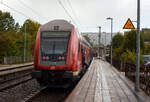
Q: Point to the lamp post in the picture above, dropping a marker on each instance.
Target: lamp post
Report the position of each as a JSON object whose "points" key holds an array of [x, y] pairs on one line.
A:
{"points": [[105, 38], [111, 19], [25, 41], [99, 40], [137, 83]]}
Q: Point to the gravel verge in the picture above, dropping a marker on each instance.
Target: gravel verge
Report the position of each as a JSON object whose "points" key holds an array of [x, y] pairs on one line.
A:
{"points": [[18, 93]]}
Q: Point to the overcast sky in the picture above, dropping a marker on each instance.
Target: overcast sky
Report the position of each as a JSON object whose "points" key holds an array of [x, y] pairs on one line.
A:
{"points": [[88, 13]]}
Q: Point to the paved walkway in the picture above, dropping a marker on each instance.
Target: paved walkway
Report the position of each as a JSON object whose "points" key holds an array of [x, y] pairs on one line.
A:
{"points": [[103, 83]]}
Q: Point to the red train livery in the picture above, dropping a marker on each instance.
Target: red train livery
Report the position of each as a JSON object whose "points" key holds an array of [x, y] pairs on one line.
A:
{"points": [[60, 54]]}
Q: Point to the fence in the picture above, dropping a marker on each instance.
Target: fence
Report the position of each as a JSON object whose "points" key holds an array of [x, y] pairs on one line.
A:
{"points": [[16, 59], [130, 70], [116, 63]]}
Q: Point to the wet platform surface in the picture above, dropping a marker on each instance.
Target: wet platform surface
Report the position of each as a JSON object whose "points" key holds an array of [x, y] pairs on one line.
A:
{"points": [[103, 83]]}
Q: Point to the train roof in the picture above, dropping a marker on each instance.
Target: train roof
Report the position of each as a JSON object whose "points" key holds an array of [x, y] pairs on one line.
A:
{"points": [[61, 25], [57, 25]]}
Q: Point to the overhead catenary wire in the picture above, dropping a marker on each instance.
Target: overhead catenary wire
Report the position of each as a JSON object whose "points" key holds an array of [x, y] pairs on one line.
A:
{"points": [[15, 10], [27, 6], [67, 12], [73, 11]]}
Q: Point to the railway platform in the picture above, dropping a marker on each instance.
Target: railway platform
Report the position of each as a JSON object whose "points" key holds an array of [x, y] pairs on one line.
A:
{"points": [[5, 67], [103, 83]]}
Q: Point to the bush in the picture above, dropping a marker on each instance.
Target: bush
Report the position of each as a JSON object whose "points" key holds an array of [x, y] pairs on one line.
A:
{"points": [[130, 57], [117, 52]]}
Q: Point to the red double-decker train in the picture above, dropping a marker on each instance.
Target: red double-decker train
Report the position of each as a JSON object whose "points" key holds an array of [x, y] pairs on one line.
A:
{"points": [[61, 54]]}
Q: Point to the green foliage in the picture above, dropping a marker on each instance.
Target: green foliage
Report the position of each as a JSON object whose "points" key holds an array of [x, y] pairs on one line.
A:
{"points": [[117, 52], [31, 31], [7, 23], [147, 48], [12, 36], [130, 57], [117, 40], [88, 40], [4, 42], [146, 35], [130, 41], [31, 27], [124, 47]]}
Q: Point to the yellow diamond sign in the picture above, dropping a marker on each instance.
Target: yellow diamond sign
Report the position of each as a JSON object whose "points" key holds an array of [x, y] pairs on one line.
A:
{"points": [[129, 25]]}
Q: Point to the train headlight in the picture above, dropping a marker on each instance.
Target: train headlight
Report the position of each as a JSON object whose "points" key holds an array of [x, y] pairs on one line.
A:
{"points": [[44, 57], [62, 58]]}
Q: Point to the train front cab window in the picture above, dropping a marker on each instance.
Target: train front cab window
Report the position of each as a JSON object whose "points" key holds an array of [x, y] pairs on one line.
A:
{"points": [[79, 48], [54, 47]]}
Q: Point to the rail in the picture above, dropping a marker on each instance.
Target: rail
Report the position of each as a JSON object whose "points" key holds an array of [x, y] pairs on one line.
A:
{"points": [[14, 75], [15, 67]]}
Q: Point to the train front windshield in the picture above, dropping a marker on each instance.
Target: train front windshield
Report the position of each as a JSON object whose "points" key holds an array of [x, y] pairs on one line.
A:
{"points": [[54, 46], [54, 42]]}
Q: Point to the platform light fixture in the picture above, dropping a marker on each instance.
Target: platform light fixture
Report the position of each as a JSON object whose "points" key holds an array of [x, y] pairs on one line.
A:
{"points": [[111, 19], [25, 41]]}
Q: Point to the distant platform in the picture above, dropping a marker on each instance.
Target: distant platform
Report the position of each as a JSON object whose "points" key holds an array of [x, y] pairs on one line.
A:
{"points": [[13, 65]]}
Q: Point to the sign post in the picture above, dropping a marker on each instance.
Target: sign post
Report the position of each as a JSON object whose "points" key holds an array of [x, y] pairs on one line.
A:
{"points": [[129, 25], [137, 83]]}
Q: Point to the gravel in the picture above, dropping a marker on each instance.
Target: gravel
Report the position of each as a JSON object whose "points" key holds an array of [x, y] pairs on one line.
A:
{"points": [[20, 92]]}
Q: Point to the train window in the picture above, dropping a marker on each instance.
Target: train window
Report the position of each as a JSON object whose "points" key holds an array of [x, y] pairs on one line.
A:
{"points": [[82, 51], [56, 28], [54, 34], [54, 42], [79, 48], [61, 46]]}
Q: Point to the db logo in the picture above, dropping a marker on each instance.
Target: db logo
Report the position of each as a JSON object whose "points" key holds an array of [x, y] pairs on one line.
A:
{"points": [[53, 67]]}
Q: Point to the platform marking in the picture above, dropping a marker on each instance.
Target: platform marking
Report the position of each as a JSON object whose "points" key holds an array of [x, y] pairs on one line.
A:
{"points": [[105, 89]]}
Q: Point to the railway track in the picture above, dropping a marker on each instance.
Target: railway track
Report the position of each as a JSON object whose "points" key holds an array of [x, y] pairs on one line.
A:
{"points": [[32, 95], [49, 95], [15, 75]]}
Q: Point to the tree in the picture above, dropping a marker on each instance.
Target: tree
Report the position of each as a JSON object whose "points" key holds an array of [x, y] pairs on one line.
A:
{"points": [[88, 40], [117, 43], [31, 27], [124, 47], [31, 32], [147, 48], [12, 36], [4, 42], [7, 23], [117, 40], [8, 30], [130, 41], [130, 57]]}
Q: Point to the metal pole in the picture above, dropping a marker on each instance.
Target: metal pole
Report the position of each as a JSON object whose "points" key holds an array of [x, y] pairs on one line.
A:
{"points": [[105, 39], [25, 43], [137, 84], [111, 37], [99, 38]]}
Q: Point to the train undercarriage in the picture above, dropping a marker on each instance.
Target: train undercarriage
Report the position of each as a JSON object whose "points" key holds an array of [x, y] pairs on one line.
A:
{"points": [[57, 79]]}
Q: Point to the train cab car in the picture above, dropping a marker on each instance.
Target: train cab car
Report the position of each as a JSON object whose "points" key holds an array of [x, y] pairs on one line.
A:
{"points": [[60, 54]]}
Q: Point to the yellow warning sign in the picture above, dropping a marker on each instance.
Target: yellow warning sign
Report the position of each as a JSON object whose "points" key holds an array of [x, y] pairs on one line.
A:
{"points": [[129, 25]]}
